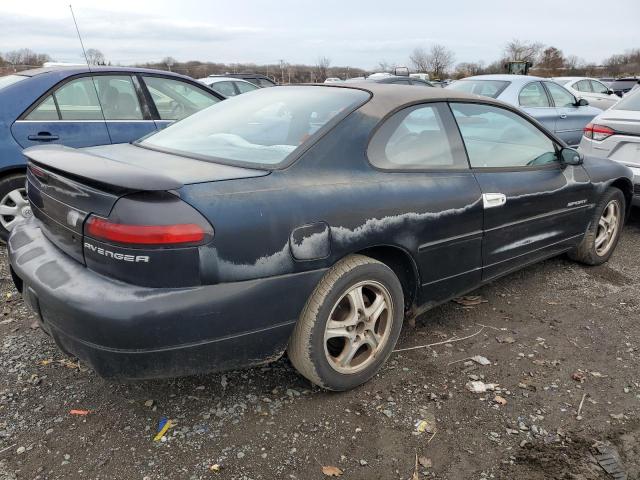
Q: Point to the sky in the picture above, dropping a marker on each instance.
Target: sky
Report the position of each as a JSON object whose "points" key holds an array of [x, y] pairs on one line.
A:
{"points": [[351, 33]]}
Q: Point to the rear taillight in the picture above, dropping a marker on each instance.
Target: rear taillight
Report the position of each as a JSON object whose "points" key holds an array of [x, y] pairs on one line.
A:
{"points": [[597, 132], [160, 235]]}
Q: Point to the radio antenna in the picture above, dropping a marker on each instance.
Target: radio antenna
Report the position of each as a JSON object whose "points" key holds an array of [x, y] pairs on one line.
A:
{"points": [[84, 52]]}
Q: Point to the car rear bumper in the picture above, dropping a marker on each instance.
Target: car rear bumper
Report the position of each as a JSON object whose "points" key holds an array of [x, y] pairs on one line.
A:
{"points": [[126, 331], [624, 149]]}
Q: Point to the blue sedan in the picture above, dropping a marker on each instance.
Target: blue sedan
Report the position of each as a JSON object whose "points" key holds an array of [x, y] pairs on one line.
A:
{"points": [[546, 101], [79, 107]]}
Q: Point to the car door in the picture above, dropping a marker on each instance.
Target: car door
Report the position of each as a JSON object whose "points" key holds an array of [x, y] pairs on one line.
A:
{"points": [[70, 115], [534, 100], [426, 172], [126, 115], [605, 97], [571, 118], [533, 205], [173, 99]]}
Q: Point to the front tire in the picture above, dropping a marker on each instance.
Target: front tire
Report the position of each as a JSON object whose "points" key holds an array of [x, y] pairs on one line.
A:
{"points": [[604, 230], [350, 324], [14, 206]]}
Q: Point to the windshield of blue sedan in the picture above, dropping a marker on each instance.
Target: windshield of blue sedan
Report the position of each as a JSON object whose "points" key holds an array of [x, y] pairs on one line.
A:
{"points": [[10, 80], [262, 127], [486, 88]]}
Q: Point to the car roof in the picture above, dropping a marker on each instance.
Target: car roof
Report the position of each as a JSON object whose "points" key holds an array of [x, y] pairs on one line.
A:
{"points": [[75, 70], [216, 79], [506, 77], [398, 95]]}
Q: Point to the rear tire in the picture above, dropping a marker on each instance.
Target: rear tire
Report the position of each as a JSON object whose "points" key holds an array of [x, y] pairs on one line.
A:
{"points": [[350, 324], [13, 204], [604, 230]]}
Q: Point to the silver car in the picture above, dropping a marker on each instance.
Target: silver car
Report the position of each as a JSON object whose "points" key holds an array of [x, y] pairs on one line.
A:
{"points": [[615, 134], [546, 101]]}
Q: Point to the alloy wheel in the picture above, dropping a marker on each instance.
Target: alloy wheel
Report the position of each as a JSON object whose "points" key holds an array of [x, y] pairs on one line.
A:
{"points": [[14, 208], [607, 228], [358, 327]]}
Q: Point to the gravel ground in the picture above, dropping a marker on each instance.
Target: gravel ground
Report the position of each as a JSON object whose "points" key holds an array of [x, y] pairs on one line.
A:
{"points": [[556, 334]]}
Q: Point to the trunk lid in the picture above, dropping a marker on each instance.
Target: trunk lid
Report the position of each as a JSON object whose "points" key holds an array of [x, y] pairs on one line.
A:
{"points": [[66, 185]]}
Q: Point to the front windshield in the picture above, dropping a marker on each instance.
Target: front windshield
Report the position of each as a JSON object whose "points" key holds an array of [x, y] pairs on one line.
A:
{"points": [[10, 80], [261, 127], [486, 88]]}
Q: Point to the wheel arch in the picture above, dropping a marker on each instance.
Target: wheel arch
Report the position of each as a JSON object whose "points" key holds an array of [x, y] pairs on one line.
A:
{"points": [[626, 186], [402, 264]]}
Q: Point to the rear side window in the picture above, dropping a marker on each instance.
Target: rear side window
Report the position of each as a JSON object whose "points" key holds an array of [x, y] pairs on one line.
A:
{"points": [[498, 138], [583, 86], [175, 99], [422, 137], [561, 97], [77, 100], [45, 111], [533, 96]]}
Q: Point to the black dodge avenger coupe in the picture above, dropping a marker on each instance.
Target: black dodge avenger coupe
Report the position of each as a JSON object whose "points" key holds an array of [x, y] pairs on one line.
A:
{"points": [[306, 219]]}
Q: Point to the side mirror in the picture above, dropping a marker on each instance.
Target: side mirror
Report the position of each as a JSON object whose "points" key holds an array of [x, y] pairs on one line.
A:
{"points": [[570, 156], [610, 92], [582, 103]]}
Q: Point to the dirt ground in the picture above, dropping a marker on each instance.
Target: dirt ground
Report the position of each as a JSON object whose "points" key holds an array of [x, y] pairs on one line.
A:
{"points": [[556, 334]]}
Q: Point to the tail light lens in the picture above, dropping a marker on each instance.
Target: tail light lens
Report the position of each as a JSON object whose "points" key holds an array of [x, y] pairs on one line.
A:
{"points": [[159, 235], [597, 132]]}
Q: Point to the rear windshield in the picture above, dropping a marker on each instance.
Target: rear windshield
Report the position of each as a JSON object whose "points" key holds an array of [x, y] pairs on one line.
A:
{"points": [[10, 80], [260, 128], [630, 101], [486, 88]]}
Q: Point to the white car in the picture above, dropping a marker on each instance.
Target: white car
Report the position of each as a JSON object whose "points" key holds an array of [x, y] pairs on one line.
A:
{"points": [[615, 134], [592, 90], [228, 86], [333, 80]]}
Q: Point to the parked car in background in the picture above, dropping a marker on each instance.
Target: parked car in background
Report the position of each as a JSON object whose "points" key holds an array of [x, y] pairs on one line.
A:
{"points": [[620, 86], [615, 134], [397, 80], [594, 91], [81, 108], [255, 78], [228, 86], [546, 101], [235, 234], [333, 80]]}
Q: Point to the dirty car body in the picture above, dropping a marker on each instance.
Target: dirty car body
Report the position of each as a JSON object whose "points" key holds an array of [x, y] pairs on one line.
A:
{"points": [[246, 224]]}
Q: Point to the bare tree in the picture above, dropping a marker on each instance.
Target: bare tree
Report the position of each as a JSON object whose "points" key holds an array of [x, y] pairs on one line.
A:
{"points": [[322, 68], [386, 66], [468, 69], [519, 50], [420, 59], [439, 60], [551, 60], [25, 56], [95, 57]]}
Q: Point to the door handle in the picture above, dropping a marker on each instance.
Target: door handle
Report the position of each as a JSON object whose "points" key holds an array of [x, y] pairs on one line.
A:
{"points": [[491, 200], [43, 137], [563, 115]]}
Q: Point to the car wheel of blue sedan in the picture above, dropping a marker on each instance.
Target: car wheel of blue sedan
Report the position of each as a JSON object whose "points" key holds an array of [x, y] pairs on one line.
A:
{"points": [[14, 206], [349, 325]]}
